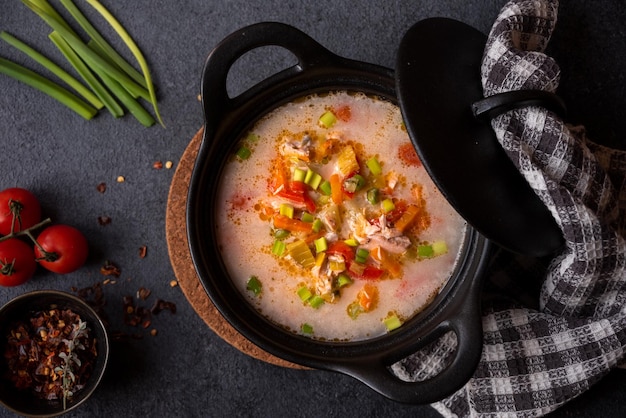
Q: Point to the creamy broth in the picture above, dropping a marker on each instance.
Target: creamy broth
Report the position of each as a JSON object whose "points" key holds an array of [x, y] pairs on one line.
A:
{"points": [[335, 266]]}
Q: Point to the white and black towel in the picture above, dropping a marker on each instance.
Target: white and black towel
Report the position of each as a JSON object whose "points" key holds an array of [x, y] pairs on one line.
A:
{"points": [[543, 349]]}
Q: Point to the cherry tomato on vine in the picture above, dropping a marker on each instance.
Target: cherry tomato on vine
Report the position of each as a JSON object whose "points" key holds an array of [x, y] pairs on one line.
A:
{"points": [[17, 262], [61, 249], [20, 204]]}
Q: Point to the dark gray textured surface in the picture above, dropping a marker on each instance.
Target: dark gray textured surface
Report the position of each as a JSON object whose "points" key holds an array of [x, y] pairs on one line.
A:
{"points": [[187, 370]]}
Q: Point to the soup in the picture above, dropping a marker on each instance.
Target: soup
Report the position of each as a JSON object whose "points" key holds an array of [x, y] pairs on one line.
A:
{"points": [[328, 223]]}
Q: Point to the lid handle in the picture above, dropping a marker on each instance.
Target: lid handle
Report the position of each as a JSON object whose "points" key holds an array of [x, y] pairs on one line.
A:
{"points": [[492, 106]]}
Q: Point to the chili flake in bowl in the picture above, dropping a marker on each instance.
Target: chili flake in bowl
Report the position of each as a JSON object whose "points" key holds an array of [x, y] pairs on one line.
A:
{"points": [[54, 353]]}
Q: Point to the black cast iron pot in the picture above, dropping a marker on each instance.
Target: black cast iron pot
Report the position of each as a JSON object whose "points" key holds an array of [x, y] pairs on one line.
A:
{"points": [[457, 306]]}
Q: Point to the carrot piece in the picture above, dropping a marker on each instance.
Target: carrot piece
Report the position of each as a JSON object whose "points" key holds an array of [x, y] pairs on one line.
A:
{"points": [[336, 192], [367, 297], [293, 225], [278, 180], [387, 263], [310, 238], [407, 218]]}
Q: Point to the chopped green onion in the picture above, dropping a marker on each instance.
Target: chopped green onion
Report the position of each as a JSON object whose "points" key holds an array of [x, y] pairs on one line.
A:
{"points": [[81, 68], [48, 87], [130, 43], [321, 245], [343, 280], [53, 68], [425, 251], [354, 184], [327, 120], [362, 252], [304, 293], [254, 285], [278, 248], [439, 248], [299, 174], [244, 153], [313, 179], [324, 187], [316, 301], [387, 205], [286, 210], [374, 166], [281, 234], [252, 137], [354, 310], [351, 242], [307, 217], [307, 329], [323, 200], [308, 176], [392, 322], [373, 196], [361, 255], [317, 225]]}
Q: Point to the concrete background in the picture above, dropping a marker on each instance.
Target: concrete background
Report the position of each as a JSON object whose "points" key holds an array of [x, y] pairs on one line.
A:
{"points": [[187, 370]]}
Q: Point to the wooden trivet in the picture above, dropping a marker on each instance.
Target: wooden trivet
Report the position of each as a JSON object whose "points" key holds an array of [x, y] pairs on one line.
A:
{"points": [[180, 257]]}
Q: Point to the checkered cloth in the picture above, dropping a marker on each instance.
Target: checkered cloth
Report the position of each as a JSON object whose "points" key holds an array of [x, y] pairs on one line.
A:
{"points": [[552, 328]]}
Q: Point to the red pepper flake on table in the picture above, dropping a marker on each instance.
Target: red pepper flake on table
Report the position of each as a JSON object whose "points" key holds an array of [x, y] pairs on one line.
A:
{"points": [[134, 313], [157, 165], [109, 268]]}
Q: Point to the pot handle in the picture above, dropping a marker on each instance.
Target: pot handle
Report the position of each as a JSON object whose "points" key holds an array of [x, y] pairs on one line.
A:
{"points": [[308, 52], [465, 322]]}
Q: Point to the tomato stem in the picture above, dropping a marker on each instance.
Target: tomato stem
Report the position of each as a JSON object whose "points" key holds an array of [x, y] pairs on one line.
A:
{"points": [[16, 210], [7, 269], [47, 255], [27, 231]]}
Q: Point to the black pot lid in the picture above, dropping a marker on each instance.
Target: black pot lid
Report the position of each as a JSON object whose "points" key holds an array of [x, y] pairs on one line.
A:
{"points": [[439, 90]]}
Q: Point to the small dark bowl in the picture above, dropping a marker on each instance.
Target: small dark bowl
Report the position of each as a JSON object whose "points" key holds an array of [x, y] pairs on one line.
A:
{"points": [[21, 308]]}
